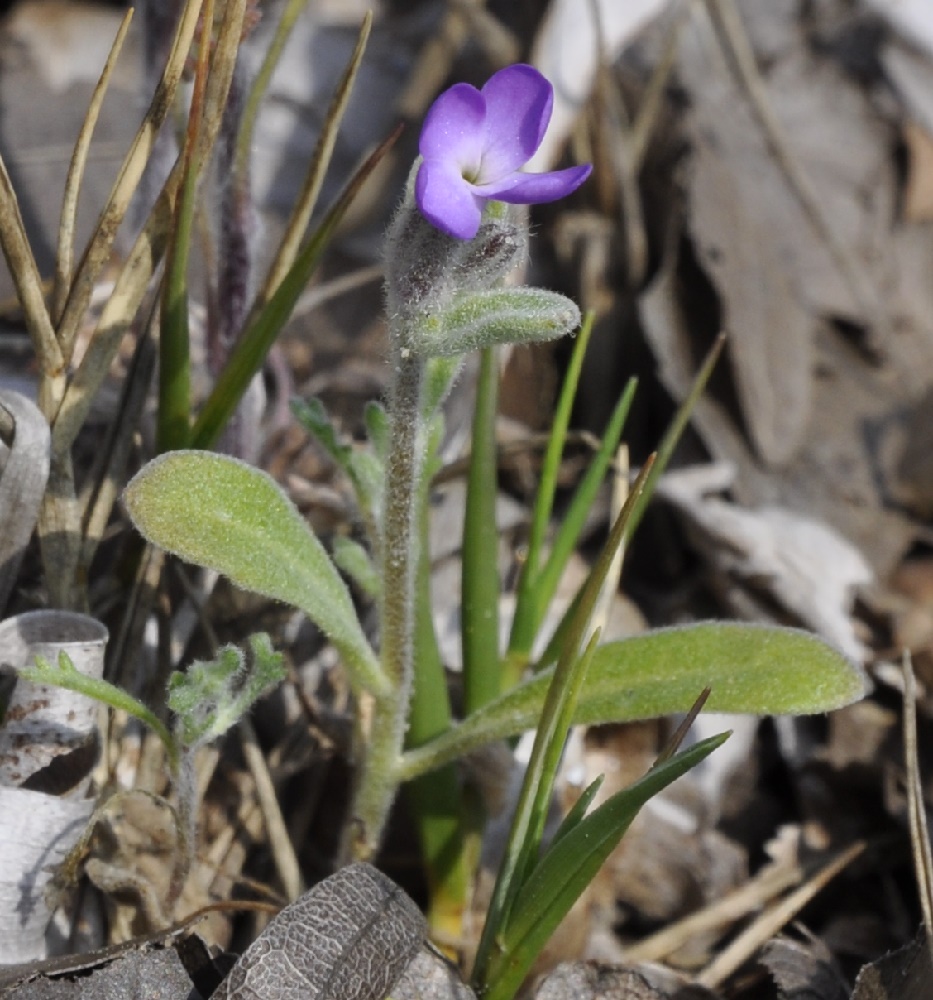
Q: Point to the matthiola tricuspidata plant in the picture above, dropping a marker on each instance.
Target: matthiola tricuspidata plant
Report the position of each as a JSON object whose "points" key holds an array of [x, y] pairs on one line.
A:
{"points": [[454, 239]]}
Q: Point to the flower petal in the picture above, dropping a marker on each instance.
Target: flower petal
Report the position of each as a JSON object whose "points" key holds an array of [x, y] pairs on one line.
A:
{"points": [[518, 108], [533, 189], [446, 200], [453, 129]]}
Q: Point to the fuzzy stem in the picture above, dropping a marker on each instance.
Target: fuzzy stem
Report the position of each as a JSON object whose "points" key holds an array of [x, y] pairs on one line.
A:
{"points": [[378, 780], [186, 791]]}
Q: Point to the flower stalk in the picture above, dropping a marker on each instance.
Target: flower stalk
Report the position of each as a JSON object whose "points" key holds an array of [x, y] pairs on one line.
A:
{"points": [[378, 781]]}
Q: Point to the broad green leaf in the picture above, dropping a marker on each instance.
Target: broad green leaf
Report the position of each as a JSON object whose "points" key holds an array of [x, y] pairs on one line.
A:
{"points": [[568, 866], [756, 669], [218, 512]]}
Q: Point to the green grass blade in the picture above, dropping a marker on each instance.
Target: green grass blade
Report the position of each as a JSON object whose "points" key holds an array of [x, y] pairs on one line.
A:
{"points": [[663, 457], [524, 624], [568, 534], [480, 549], [527, 828], [555, 720], [578, 809], [568, 867], [673, 433], [435, 800]]}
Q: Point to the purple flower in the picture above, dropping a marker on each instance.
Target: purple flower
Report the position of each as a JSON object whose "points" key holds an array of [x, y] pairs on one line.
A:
{"points": [[473, 143]]}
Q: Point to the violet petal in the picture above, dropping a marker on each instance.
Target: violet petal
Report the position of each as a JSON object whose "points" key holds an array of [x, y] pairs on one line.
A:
{"points": [[453, 128], [519, 101], [446, 200], [533, 189]]}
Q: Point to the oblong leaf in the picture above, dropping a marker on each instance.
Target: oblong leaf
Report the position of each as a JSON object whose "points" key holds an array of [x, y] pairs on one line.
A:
{"points": [[498, 316], [218, 512], [750, 668]]}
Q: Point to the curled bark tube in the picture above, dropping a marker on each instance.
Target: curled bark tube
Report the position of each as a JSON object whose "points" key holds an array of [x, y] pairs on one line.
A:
{"points": [[48, 744]]}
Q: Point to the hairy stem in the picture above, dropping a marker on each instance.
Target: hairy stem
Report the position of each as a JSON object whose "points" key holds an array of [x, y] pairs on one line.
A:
{"points": [[378, 780]]}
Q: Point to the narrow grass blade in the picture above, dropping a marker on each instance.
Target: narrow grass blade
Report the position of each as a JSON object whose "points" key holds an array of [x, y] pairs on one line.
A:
{"points": [[283, 29], [98, 249], [26, 278], [524, 625], [248, 355], [480, 549], [435, 800], [557, 714], [568, 867], [174, 412], [664, 453], [571, 526], [526, 831], [578, 809], [673, 433], [288, 251], [64, 260]]}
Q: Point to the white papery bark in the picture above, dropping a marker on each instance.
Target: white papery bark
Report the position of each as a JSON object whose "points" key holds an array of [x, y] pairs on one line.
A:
{"points": [[43, 734]]}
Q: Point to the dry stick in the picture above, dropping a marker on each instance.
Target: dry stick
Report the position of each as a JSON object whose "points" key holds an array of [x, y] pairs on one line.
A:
{"points": [[770, 922], [116, 319], [283, 851], [736, 44], [919, 832], [766, 886]]}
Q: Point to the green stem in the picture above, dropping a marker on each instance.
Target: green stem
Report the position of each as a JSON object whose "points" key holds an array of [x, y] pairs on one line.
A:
{"points": [[378, 778], [434, 799], [480, 611]]}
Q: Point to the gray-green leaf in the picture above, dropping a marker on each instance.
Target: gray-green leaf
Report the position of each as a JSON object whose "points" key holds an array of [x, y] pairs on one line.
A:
{"points": [[218, 512], [500, 316], [212, 695], [756, 669]]}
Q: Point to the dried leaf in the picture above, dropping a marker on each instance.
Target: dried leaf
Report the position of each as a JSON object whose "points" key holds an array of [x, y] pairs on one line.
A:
{"points": [[349, 938]]}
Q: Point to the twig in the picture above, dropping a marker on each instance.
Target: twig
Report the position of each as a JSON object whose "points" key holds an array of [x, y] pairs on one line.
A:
{"points": [[919, 831], [770, 922], [283, 851]]}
